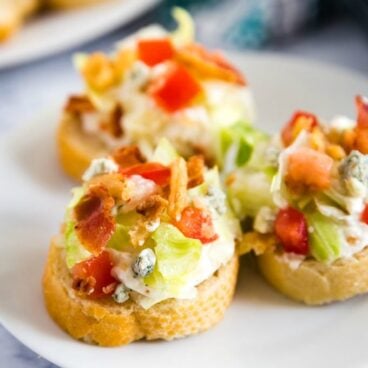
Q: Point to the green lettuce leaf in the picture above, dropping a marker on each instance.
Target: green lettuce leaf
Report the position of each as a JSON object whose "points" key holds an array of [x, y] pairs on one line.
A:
{"points": [[164, 153], [177, 257], [326, 237]]}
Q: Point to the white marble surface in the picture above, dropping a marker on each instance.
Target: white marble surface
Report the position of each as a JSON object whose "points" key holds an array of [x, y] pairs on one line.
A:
{"points": [[28, 90]]}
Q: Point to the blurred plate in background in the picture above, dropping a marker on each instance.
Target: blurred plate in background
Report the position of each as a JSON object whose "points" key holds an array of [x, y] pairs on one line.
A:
{"points": [[53, 32]]}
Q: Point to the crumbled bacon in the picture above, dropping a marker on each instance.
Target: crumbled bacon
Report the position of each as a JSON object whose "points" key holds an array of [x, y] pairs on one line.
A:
{"points": [[113, 182], [128, 156], [112, 124], [84, 285], [178, 188], [151, 210], [94, 222], [79, 105], [152, 207], [209, 64], [195, 168]]}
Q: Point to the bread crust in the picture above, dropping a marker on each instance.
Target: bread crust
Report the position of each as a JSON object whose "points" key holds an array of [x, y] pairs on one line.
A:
{"points": [[107, 323], [316, 283], [69, 4], [76, 149]]}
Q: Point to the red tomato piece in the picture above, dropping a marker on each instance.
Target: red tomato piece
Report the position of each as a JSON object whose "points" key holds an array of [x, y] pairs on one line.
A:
{"points": [[175, 89], [196, 224], [291, 230], [154, 171], [364, 215], [93, 276], [300, 120], [309, 169], [155, 51], [362, 107]]}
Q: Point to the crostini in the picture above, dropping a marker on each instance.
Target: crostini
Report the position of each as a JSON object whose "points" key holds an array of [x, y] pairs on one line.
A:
{"points": [[310, 228], [156, 84], [147, 250]]}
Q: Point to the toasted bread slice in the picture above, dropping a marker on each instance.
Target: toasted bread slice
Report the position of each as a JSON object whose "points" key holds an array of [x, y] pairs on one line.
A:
{"points": [[12, 15], [107, 323], [77, 149], [314, 282]]}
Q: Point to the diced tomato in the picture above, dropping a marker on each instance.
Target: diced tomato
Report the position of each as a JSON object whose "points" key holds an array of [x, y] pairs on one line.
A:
{"points": [[154, 171], [291, 230], [155, 51], [364, 215], [362, 107], [309, 169], [300, 120], [195, 223], [176, 89], [361, 140], [93, 276]]}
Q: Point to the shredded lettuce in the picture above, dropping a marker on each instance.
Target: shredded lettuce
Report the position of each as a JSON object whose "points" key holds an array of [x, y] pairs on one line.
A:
{"points": [[325, 237], [185, 32], [236, 144], [177, 257], [75, 252], [164, 153]]}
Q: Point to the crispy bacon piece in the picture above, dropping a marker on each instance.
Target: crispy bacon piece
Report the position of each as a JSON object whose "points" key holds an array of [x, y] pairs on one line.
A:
{"points": [[209, 64], [151, 210], [94, 222], [195, 168], [128, 156], [178, 188], [112, 124], [113, 182], [152, 207], [79, 105]]}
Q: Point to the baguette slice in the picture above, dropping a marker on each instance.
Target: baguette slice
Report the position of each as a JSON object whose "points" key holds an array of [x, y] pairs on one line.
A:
{"points": [[107, 323], [316, 283], [76, 149]]}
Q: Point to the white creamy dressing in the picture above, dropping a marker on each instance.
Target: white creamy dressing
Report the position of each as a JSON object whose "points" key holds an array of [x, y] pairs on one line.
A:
{"points": [[100, 166], [213, 256]]}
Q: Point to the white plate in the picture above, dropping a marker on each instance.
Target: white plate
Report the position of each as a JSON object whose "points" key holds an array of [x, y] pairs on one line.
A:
{"points": [[56, 31], [261, 328]]}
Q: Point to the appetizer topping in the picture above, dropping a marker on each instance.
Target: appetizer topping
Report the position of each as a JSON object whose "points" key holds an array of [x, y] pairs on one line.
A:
{"points": [[292, 231], [301, 120], [175, 89], [145, 262], [195, 223], [100, 166], [362, 107], [79, 105], [128, 156], [94, 222], [354, 173], [178, 197], [364, 215], [195, 168], [113, 123], [155, 51], [121, 294], [154, 171], [209, 64], [264, 221], [93, 276], [308, 170]]}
